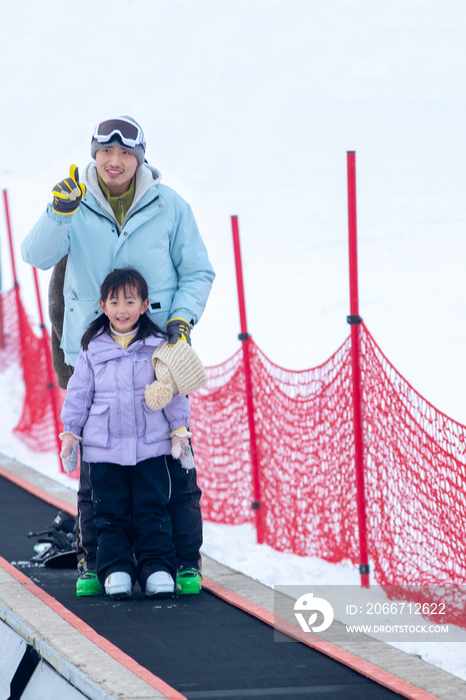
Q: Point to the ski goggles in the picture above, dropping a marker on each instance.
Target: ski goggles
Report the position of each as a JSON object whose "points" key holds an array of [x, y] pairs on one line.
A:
{"points": [[130, 134]]}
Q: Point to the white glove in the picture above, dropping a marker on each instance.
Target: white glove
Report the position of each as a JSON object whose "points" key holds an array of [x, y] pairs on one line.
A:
{"points": [[69, 451], [181, 449]]}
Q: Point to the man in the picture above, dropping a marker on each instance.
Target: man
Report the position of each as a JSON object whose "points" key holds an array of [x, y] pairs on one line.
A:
{"points": [[122, 216]]}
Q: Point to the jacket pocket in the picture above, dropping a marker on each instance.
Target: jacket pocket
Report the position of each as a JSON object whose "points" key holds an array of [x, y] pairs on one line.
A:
{"points": [[159, 306], [154, 423], [144, 371], [78, 315], [96, 431]]}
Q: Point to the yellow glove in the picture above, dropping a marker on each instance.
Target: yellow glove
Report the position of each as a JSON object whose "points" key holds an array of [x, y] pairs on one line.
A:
{"points": [[68, 193]]}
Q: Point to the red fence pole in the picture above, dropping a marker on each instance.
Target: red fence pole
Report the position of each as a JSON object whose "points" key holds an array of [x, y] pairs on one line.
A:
{"points": [[245, 337], [15, 281], [354, 319], [50, 371]]}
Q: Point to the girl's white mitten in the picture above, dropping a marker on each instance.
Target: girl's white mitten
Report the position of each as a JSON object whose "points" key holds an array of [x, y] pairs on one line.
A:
{"points": [[181, 449], [69, 452]]}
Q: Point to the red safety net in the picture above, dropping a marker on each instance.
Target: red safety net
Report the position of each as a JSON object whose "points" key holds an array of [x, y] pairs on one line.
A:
{"points": [[36, 426], [9, 330], [304, 443], [415, 478], [414, 470]]}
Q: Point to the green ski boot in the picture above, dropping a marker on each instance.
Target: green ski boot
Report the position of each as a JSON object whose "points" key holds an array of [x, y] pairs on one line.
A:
{"points": [[88, 584], [188, 581]]}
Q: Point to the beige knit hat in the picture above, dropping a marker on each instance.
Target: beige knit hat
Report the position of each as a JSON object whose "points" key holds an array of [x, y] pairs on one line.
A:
{"points": [[178, 370]]}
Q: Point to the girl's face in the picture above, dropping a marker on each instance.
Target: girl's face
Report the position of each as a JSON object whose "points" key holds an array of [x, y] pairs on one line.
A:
{"points": [[124, 309]]}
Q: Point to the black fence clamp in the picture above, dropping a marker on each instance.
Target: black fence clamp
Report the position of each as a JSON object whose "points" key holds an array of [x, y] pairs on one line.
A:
{"points": [[363, 568], [353, 320]]}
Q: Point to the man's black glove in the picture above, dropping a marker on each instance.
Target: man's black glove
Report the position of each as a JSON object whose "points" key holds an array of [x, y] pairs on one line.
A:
{"points": [[68, 193], [178, 329]]}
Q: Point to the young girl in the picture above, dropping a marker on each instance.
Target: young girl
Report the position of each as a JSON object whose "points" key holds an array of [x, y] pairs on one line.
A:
{"points": [[125, 442]]}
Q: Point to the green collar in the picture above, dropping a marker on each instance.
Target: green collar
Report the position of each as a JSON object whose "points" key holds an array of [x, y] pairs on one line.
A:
{"points": [[120, 204]]}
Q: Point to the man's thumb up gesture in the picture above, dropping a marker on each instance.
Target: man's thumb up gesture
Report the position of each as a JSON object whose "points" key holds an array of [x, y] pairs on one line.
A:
{"points": [[68, 193]]}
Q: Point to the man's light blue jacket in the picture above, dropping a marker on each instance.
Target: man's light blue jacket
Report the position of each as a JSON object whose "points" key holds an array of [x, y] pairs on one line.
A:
{"points": [[159, 237]]}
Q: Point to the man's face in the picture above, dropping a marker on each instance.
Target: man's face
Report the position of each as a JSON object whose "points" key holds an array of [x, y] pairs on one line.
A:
{"points": [[116, 166]]}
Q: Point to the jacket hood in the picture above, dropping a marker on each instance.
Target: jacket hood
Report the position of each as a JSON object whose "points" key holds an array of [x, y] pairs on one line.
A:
{"points": [[146, 177]]}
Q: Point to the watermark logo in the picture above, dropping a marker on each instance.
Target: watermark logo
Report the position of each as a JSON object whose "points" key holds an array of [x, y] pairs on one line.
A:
{"points": [[307, 603], [410, 613]]}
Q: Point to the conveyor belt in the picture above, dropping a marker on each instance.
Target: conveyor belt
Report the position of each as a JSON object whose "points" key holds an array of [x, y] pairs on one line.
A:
{"points": [[200, 645]]}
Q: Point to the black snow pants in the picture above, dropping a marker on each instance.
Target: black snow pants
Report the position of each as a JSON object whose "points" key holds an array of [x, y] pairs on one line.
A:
{"points": [[184, 508]]}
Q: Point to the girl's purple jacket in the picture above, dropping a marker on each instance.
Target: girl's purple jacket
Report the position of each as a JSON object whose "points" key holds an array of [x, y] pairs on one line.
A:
{"points": [[105, 403]]}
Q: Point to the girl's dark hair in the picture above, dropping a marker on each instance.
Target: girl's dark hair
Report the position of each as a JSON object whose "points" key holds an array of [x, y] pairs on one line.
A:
{"points": [[127, 278]]}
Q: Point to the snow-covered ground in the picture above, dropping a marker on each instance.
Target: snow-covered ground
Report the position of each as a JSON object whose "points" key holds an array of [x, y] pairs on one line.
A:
{"points": [[249, 108]]}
